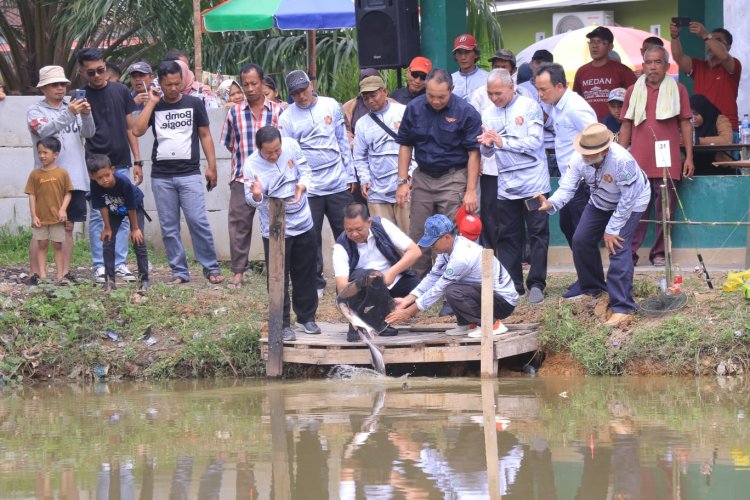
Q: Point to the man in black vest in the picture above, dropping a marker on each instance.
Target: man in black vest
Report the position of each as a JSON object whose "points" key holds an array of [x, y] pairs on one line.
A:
{"points": [[376, 254]]}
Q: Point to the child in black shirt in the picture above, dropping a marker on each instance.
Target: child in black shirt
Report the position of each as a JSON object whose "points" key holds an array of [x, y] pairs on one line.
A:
{"points": [[115, 197]]}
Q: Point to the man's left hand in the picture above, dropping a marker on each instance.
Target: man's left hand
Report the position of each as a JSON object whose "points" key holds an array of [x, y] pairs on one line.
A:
{"points": [[211, 176], [611, 241], [470, 201], [137, 174], [698, 29], [688, 168]]}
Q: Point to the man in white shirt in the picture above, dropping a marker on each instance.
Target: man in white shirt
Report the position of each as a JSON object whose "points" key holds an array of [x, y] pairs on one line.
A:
{"points": [[469, 76], [374, 244]]}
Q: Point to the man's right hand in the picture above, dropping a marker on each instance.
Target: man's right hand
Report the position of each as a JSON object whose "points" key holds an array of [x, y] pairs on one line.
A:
{"points": [[365, 189], [674, 30], [106, 234], [256, 188], [141, 98], [545, 206], [402, 194]]}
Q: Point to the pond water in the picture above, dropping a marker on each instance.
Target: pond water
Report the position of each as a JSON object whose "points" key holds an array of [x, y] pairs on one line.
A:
{"points": [[370, 437]]}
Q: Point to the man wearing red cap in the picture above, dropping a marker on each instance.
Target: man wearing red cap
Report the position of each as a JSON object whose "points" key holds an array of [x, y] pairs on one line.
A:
{"points": [[469, 76], [415, 78]]}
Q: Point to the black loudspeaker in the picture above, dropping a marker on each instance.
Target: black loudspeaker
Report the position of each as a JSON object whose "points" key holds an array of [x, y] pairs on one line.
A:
{"points": [[387, 32]]}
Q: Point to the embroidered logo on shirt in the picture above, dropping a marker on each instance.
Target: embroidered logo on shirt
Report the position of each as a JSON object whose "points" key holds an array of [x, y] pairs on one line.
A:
{"points": [[519, 120], [290, 164], [451, 120], [607, 178], [449, 271], [327, 119]]}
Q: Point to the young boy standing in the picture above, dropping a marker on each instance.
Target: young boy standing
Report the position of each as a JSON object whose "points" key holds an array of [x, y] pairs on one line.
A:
{"points": [[115, 197], [49, 189]]}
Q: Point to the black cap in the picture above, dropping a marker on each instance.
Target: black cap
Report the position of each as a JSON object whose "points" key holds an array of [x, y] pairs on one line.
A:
{"points": [[603, 33], [543, 55]]}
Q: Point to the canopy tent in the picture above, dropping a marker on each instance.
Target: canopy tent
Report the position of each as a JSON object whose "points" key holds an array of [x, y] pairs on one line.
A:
{"points": [[309, 15]]}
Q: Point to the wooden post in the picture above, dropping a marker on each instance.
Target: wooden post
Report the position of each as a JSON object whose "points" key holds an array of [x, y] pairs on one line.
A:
{"points": [[312, 64], [279, 448], [276, 247], [666, 216], [198, 46], [488, 363], [490, 437], [747, 246]]}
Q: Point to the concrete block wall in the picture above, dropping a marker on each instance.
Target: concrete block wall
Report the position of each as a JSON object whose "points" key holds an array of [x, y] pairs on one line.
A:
{"points": [[17, 160]]}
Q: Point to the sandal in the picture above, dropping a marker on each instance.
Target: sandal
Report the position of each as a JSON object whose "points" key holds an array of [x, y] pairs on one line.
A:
{"points": [[178, 280], [235, 283], [63, 282], [215, 279]]}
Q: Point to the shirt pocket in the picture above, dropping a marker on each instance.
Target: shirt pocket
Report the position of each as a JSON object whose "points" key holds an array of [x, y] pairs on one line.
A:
{"points": [[449, 133]]}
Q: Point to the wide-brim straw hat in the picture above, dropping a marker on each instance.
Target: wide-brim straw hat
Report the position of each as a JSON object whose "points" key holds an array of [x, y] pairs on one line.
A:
{"points": [[594, 139]]}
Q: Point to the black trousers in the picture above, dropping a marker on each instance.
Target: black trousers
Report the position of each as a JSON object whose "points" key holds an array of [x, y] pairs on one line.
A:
{"points": [[570, 214], [108, 248], [466, 301], [299, 265], [331, 206], [514, 221], [488, 210]]}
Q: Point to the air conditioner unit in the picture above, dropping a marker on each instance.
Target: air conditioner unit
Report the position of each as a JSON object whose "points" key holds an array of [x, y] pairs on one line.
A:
{"points": [[562, 22]]}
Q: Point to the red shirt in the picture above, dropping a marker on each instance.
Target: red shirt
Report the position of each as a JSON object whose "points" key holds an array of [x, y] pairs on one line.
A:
{"points": [[594, 83], [718, 86], [642, 137]]}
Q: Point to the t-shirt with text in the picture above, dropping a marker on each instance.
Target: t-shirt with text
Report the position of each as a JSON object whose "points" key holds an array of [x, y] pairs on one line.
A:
{"points": [[594, 83], [176, 150]]}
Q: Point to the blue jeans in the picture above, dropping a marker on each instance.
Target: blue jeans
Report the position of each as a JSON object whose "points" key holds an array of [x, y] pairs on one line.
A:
{"points": [[186, 194], [96, 224]]}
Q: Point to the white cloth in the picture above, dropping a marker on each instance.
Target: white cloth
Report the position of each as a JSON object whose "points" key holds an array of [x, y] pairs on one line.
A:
{"points": [[369, 255]]}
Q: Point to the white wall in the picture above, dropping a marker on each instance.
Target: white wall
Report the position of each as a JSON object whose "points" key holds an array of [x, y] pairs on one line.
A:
{"points": [[17, 160], [737, 21]]}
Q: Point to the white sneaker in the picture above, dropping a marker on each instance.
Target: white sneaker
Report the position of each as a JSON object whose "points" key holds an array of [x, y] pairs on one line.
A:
{"points": [[459, 330], [498, 328], [123, 272], [99, 274]]}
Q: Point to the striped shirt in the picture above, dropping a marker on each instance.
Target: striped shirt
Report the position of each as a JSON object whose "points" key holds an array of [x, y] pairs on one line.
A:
{"points": [[619, 185], [279, 180], [321, 133], [238, 134], [521, 161]]}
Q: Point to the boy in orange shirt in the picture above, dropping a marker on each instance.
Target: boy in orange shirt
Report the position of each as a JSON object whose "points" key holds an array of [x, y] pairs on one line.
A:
{"points": [[49, 189]]}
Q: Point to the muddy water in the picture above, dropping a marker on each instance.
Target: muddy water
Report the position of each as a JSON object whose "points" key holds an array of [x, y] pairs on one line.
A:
{"points": [[545, 438]]}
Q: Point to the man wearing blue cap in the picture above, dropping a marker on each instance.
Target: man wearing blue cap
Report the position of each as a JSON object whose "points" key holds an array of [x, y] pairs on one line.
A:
{"points": [[457, 273]]}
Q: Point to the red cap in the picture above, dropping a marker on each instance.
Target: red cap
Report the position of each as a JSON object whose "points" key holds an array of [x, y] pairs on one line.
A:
{"points": [[469, 225], [420, 63], [465, 41]]}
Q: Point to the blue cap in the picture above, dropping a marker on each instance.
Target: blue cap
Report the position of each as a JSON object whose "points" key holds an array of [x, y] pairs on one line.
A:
{"points": [[434, 227]]}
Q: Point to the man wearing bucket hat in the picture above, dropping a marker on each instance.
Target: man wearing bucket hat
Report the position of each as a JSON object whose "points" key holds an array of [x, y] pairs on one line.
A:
{"points": [[457, 274], [469, 76], [619, 195], [70, 121]]}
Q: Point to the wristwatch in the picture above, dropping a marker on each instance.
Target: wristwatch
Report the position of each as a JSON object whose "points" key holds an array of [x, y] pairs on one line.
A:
{"points": [[707, 37], [401, 181], [138, 163]]}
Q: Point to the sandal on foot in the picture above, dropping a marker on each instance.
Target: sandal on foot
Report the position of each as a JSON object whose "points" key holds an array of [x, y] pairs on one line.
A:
{"points": [[233, 283], [215, 279], [178, 280]]}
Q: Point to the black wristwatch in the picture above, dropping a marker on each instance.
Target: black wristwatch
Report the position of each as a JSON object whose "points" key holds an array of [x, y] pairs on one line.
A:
{"points": [[138, 163]]}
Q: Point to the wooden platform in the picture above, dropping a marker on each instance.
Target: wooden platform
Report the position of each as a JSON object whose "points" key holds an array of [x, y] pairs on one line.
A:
{"points": [[416, 344]]}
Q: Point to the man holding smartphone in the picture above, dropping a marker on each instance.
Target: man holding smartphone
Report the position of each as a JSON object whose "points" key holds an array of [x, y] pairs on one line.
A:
{"points": [[112, 108], [141, 78], [514, 136]]}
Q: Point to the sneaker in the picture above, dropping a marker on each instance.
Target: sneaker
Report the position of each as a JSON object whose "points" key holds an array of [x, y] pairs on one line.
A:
{"points": [[536, 295], [459, 330], [498, 328], [309, 328], [388, 332], [123, 272], [144, 286], [99, 274], [288, 335]]}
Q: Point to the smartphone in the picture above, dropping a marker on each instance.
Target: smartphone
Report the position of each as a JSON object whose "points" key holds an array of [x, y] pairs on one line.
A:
{"points": [[532, 204], [80, 94], [156, 86], [681, 22]]}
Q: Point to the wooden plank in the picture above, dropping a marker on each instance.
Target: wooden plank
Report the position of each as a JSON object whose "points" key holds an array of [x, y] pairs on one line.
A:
{"points": [[438, 354], [276, 248], [488, 365], [490, 437], [518, 345]]}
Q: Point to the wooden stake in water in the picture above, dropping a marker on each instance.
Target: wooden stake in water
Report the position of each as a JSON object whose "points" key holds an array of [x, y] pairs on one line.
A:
{"points": [[490, 438], [488, 362], [276, 251]]}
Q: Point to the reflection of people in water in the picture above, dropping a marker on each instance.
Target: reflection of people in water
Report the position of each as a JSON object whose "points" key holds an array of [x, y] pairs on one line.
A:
{"points": [[68, 487], [534, 478], [210, 485], [115, 481], [312, 465], [597, 462], [245, 485], [181, 478]]}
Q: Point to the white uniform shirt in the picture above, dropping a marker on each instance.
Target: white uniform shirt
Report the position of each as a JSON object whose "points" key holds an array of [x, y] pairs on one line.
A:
{"points": [[463, 265], [466, 83], [570, 115], [369, 255]]}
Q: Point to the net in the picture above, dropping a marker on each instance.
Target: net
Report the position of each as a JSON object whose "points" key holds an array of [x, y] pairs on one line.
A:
{"points": [[662, 304]]}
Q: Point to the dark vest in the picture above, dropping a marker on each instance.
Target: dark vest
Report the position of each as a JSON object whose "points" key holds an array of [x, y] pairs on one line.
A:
{"points": [[382, 242]]}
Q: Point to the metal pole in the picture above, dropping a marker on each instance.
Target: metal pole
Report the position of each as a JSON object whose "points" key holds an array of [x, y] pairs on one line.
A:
{"points": [[276, 249], [665, 216], [488, 363]]}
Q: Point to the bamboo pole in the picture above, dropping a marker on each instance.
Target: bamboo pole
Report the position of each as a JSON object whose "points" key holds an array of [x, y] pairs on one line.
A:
{"points": [[490, 438], [276, 250], [197, 42], [747, 245], [665, 216], [488, 364]]}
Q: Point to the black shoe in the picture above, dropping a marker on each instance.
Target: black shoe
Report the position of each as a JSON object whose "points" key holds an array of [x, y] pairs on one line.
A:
{"points": [[143, 286], [109, 286], [309, 328], [71, 278], [352, 335], [388, 332]]}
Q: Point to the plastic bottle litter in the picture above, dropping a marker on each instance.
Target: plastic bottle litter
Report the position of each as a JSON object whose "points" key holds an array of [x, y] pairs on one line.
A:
{"points": [[112, 335], [745, 129], [677, 283]]}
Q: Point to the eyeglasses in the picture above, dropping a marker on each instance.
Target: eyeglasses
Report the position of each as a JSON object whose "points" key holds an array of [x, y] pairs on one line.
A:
{"points": [[419, 75], [58, 84], [98, 71]]}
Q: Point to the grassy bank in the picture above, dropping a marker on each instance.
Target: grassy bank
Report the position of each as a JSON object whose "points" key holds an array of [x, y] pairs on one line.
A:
{"points": [[199, 330]]}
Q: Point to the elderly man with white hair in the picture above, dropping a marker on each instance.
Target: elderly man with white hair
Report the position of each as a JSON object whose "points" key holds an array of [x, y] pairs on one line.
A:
{"points": [[514, 135]]}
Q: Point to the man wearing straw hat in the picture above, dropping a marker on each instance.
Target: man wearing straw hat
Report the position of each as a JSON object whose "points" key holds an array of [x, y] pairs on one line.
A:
{"points": [[619, 195]]}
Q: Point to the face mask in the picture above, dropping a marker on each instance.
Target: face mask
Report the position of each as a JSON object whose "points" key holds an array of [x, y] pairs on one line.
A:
{"points": [[591, 160]]}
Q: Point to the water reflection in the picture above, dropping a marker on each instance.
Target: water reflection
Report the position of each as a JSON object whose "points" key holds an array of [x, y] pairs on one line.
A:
{"points": [[592, 438]]}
